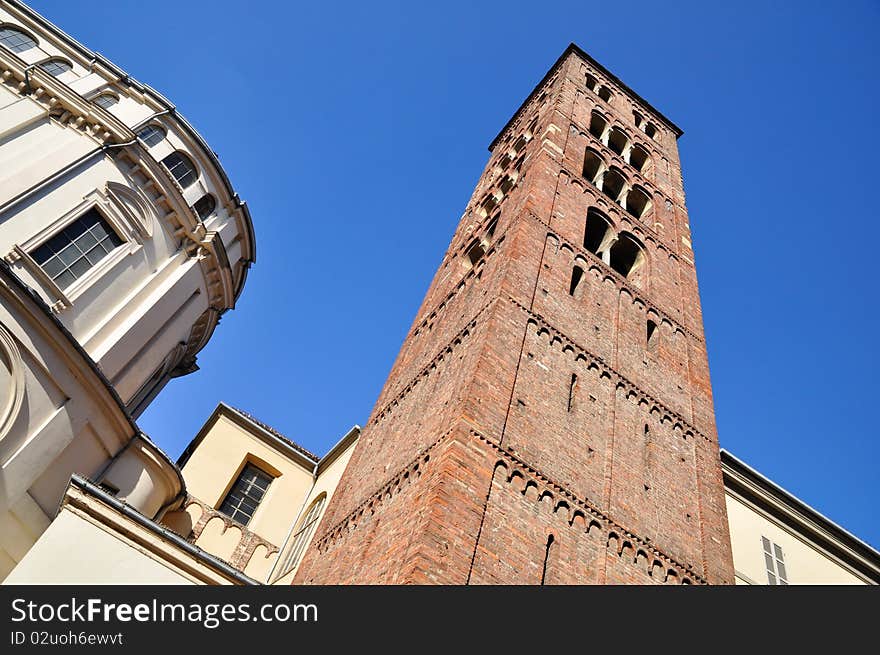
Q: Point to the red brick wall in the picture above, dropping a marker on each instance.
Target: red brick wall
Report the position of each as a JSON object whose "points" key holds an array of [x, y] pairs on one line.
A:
{"points": [[525, 434]]}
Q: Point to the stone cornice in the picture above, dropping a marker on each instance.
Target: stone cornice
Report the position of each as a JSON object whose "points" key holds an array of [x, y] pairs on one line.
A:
{"points": [[60, 101]]}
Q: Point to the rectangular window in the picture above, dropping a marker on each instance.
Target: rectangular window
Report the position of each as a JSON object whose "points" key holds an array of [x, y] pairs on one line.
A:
{"points": [[776, 574], [70, 254], [242, 500]]}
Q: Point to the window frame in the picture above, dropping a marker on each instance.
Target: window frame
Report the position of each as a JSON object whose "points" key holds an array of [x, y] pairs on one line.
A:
{"points": [[116, 241], [774, 563], [55, 60], [110, 207], [248, 464], [156, 129], [193, 168], [106, 94], [25, 33], [305, 528]]}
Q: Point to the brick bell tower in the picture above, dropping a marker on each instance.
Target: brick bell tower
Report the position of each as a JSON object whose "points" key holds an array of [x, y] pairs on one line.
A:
{"points": [[549, 418]]}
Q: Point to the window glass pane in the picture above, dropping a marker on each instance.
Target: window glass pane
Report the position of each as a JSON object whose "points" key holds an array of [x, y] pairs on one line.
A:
{"points": [[778, 551], [303, 535], [106, 100], [204, 206], [55, 67], [87, 241], [780, 569], [768, 560], [766, 542], [181, 168], [771, 578], [151, 135], [245, 495], [72, 252], [15, 40]]}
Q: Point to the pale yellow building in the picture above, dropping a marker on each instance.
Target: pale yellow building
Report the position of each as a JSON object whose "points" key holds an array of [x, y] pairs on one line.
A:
{"points": [[778, 539], [248, 509]]}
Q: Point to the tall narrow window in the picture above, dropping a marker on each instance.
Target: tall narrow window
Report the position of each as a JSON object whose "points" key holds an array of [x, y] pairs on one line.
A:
{"points": [[593, 165], [182, 168], [577, 275], [596, 231], [776, 574], [245, 495], [651, 335], [474, 253], [627, 255], [547, 550], [572, 388], [303, 535], [16, 40], [70, 254]]}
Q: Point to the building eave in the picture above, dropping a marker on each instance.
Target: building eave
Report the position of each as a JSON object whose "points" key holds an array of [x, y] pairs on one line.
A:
{"points": [[163, 102], [291, 450], [574, 48], [748, 483]]}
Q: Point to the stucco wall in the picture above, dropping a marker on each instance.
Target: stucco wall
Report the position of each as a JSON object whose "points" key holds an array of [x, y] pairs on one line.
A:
{"points": [[99, 558], [805, 562]]}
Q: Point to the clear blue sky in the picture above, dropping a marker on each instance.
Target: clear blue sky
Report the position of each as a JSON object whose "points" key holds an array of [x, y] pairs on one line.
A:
{"points": [[357, 131]]}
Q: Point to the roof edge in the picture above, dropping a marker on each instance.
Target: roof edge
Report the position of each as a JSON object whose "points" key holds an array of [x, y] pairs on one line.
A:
{"points": [[576, 49], [848, 541]]}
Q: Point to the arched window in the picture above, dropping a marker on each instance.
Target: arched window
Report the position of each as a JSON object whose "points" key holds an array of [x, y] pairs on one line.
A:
{"points": [[617, 140], [597, 232], [627, 255], [182, 168], [151, 135], [577, 275], [638, 158], [597, 125], [106, 100], [56, 67], [637, 118], [205, 206], [591, 82], [303, 535], [638, 202], [15, 40], [651, 131], [613, 184], [605, 94], [593, 165]]}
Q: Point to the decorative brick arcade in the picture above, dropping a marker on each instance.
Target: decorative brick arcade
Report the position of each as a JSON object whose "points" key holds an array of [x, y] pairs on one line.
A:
{"points": [[549, 418]]}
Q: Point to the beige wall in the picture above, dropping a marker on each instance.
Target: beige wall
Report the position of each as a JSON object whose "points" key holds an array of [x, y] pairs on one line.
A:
{"points": [[805, 562], [223, 452], [326, 483], [99, 557]]}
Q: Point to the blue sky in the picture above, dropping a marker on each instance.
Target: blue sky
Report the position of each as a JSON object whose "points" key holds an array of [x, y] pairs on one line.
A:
{"points": [[356, 132]]}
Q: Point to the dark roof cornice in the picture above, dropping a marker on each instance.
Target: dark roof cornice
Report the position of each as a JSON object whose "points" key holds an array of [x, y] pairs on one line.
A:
{"points": [[574, 48]]}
